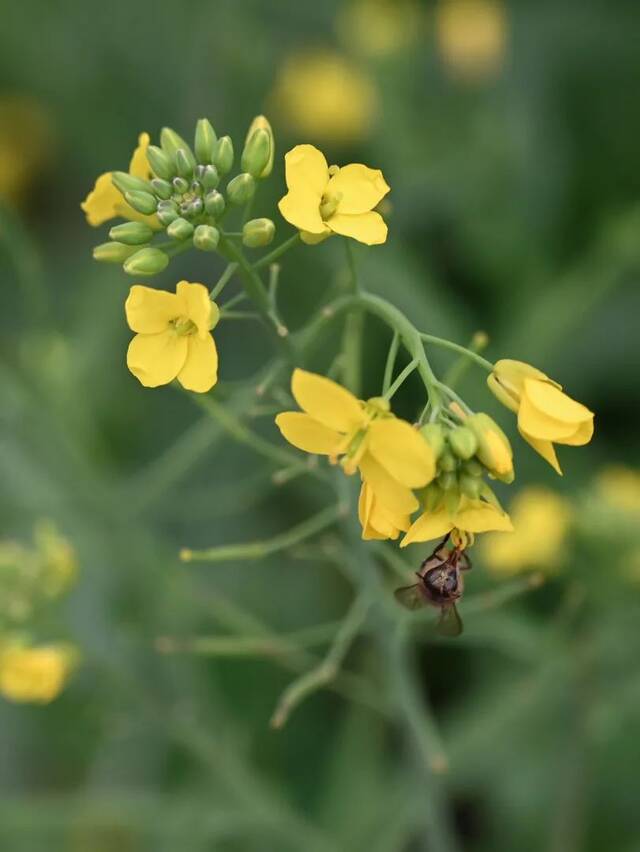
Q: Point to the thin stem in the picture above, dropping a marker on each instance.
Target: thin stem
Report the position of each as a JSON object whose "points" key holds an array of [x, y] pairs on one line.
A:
{"points": [[239, 315], [277, 252], [351, 261], [461, 350], [352, 335], [454, 396], [402, 377], [261, 549], [456, 371], [391, 362], [234, 300], [224, 279], [274, 280]]}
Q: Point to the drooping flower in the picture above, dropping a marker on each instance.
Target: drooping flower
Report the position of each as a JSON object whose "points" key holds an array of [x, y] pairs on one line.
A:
{"points": [[322, 201], [546, 415], [472, 516], [105, 202], [173, 339], [35, 674], [377, 521], [392, 456]]}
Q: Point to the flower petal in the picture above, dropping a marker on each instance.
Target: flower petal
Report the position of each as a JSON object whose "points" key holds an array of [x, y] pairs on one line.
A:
{"points": [[367, 228], [306, 169], [361, 188], [307, 434], [402, 451], [429, 525], [540, 425], [582, 435], [392, 495], [326, 401], [553, 402], [545, 449], [476, 517], [139, 166], [197, 305], [150, 311], [200, 370], [315, 239], [156, 359], [301, 208], [101, 203]]}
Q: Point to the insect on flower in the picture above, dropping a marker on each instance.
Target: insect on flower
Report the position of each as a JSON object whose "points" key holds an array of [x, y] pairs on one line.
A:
{"points": [[440, 584]]}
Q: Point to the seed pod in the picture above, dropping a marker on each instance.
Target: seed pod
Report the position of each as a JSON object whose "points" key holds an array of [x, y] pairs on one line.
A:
{"points": [[183, 164], [260, 122], [171, 143], [463, 442], [210, 178], [146, 262], [162, 188], [214, 204], [241, 189], [143, 202], [180, 229], [258, 233], [180, 185], [206, 238], [124, 182], [113, 252], [161, 164], [131, 233], [205, 141], [223, 159], [257, 152], [433, 433]]}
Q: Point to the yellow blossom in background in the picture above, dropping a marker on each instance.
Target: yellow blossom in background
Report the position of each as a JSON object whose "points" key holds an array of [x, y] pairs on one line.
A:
{"points": [[393, 458], [379, 28], [546, 415], [620, 487], [25, 145], [35, 674], [541, 521], [471, 516], [376, 520], [471, 37], [322, 95], [105, 202], [322, 201], [173, 339]]}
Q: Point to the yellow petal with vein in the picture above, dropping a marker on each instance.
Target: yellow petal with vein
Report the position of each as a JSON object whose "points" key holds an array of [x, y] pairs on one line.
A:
{"points": [[156, 359], [200, 370], [327, 402]]}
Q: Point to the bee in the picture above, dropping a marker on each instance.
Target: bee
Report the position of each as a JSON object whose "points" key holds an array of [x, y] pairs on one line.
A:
{"points": [[440, 584]]}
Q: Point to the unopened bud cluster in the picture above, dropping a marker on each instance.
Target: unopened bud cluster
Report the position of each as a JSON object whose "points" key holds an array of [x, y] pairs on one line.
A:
{"points": [[185, 198]]}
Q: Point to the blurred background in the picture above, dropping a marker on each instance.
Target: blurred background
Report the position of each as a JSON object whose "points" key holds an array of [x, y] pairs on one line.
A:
{"points": [[508, 133]]}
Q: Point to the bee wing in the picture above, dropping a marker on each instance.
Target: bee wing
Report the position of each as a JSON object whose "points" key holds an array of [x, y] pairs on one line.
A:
{"points": [[410, 597], [449, 623]]}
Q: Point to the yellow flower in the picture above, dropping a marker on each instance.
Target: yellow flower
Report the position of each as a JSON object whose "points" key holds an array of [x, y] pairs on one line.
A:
{"points": [[322, 201], [173, 339], [546, 415], [620, 488], [472, 516], [105, 202], [377, 521], [391, 455], [322, 95], [541, 521], [25, 145], [381, 27], [35, 675], [471, 36]]}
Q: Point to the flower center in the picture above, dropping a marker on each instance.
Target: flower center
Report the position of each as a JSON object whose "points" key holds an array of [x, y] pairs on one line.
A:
{"points": [[329, 204], [183, 326]]}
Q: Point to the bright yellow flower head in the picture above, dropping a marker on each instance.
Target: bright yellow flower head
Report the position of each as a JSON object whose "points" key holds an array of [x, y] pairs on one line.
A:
{"points": [[35, 675], [173, 339], [541, 521], [105, 202], [472, 516], [377, 521], [471, 36], [546, 415], [392, 456], [322, 201]]}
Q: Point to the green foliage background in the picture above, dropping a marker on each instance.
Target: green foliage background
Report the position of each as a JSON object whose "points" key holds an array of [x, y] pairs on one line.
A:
{"points": [[516, 210]]}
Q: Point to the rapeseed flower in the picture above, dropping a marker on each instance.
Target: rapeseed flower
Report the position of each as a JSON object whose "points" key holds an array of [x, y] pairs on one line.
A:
{"points": [[376, 520], [35, 674], [471, 516]]}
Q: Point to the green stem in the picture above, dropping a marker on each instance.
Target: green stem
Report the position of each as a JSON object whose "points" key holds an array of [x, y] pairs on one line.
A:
{"points": [[224, 279], [239, 315], [402, 377], [352, 335], [391, 362], [461, 350], [277, 252]]}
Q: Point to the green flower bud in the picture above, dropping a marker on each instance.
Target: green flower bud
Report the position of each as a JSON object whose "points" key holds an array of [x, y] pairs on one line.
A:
{"points": [[205, 141], [447, 461], [184, 164], [463, 442], [473, 468], [241, 189], [195, 207], [143, 202], [447, 480], [487, 494], [431, 497], [146, 262], [171, 143], [433, 433], [161, 164], [167, 214], [180, 229], [196, 187], [258, 233], [257, 152], [206, 238], [113, 252], [210, 178], [452, 500], [223, 159], [180, 185], [262, 123], [214, 204], [470, 486], [494, 449], [131, 233], [125, 182], [162, 188]]}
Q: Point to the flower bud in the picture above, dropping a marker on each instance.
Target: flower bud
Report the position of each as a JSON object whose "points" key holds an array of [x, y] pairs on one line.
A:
{"points": [[223, 159], [205, 141], [162, 188], [180, 229], [447, 461], [210, 178], [431, 497], [195, 207], [507, 380], [180, 185], [131, 233], [113, 252], [241, 189], [494, 449], [257, 153], [124, 182], [161, 164], [146, 262], [206, 238], [262, 123], [184, 164], [452, 499], [214, 204], [447, 480], [463, 442], [433, 433], [167, 215], [171, 143], [143, 202], [258, 233], [470, 486], [473, 468]]}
